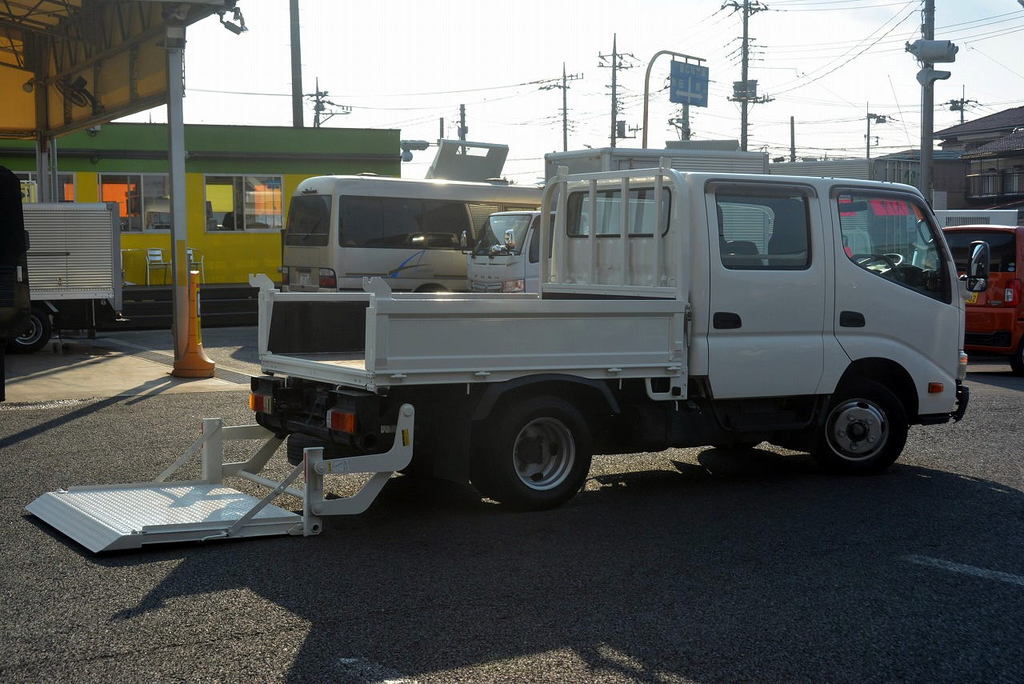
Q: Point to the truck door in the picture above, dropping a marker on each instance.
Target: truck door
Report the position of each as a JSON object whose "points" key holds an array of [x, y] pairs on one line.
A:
{"points": [[767, 290], [895, 288]]}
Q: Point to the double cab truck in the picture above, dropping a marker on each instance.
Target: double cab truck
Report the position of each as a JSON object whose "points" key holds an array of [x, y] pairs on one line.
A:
{"points": [[995, 317], [676, 309]]}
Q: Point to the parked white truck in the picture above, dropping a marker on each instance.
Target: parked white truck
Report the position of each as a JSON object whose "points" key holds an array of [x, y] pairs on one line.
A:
{"points": [[678, 309], [667, 317], [74, 265]]}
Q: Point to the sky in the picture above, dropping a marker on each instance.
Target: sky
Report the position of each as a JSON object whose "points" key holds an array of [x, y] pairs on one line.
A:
{"points": [[406, 64]]}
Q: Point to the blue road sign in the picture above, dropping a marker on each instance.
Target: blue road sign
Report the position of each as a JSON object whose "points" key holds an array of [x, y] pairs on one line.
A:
{"points": [[689, 84]]}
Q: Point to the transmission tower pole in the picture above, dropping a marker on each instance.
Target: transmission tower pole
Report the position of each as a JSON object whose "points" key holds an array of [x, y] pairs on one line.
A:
{"points": [[745, 92], [616, 64], [961, 104], [564, 85]]}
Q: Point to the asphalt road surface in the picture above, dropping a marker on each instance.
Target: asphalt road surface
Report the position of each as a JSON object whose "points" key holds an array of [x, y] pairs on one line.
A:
{"points": [[688, 565]]}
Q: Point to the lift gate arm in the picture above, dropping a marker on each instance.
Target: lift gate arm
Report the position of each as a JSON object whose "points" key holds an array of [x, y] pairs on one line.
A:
{"points": [[127, 516]]}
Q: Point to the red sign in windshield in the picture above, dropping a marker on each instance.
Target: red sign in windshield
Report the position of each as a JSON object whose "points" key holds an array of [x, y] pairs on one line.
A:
{"points": [[880, 207]]}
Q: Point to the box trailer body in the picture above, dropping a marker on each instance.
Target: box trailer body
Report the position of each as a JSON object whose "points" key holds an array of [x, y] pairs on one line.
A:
{"points": [[74, 265], [625, 158], [975, 217]]}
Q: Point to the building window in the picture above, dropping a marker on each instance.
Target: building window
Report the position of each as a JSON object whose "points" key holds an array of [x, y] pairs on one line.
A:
{"points": [[235, 203], [66, 182], [143, 200]]}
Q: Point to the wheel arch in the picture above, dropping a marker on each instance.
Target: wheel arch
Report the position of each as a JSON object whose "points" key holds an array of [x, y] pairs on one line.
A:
{"points": [[590, 396], [888, 373]]}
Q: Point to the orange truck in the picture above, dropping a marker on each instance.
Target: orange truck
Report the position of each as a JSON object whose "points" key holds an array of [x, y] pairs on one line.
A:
{"points": [[995, 318]]}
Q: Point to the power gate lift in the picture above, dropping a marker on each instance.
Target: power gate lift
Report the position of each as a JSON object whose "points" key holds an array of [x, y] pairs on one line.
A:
{"points": [[129, 516]]}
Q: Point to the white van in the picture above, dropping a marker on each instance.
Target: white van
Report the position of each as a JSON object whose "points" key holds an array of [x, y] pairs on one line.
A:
{"points": [[341, 229], [507, 254]]}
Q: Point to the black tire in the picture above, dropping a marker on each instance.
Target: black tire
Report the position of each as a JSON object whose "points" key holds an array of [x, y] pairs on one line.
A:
{"points": [[35, 336], [864, 430], [538, 456], [1017, 360]]}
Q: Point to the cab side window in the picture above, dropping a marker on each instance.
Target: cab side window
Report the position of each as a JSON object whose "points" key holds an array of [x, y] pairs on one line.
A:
{"points": [[890, 236], [762, 230]]}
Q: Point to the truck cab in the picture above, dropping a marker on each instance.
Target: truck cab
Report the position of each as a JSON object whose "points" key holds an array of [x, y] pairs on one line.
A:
{"points": [[995, 317], [506, 257]]}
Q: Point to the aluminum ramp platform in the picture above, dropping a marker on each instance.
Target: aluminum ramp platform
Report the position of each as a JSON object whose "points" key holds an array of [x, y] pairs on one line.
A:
{"points": [[129, 516], [117, 517]]}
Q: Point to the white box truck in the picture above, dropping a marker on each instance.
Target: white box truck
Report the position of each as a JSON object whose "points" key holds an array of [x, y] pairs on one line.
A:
{"points": [[663, 320], [74, 266]]}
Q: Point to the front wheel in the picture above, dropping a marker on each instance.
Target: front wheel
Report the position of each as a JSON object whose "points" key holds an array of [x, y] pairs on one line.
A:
{"points": [[537, 458], [865, 430]]}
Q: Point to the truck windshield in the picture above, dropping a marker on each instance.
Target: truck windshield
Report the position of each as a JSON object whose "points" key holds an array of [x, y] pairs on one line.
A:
{"points": [[492, 236], [309, 221], [1000, 242]]}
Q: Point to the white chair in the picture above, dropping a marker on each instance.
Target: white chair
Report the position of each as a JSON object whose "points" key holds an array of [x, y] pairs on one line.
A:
{"points": [[155, 259], [195, 263]]}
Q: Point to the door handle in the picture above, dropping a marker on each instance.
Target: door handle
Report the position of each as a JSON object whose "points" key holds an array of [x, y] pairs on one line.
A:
{"points": [[851, 319], [724, 320]]}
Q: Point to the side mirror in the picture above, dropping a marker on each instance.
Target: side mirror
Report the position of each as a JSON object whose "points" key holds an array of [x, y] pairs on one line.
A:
{"points": [[978, 268]]}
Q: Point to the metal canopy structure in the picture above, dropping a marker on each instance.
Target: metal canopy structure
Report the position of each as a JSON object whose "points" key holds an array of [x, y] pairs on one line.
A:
{"points": [[71, 64]]}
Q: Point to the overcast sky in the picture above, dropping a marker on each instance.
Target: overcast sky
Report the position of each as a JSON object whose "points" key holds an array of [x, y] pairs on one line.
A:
{"points": [[407, 63]]}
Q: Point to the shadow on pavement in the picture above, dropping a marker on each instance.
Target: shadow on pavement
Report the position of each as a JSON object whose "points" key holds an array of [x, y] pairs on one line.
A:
{"points": [[751, 567]]}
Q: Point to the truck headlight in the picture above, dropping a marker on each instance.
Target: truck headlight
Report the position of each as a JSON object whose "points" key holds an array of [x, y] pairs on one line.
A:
{"points": [[513, 285]]}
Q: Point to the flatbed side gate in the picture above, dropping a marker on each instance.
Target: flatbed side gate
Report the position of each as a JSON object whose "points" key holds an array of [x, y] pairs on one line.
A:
{"points": [[128, 516]]}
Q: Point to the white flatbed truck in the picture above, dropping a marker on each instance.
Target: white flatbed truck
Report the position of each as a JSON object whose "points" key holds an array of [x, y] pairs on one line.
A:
{"points": [[706, 309]]}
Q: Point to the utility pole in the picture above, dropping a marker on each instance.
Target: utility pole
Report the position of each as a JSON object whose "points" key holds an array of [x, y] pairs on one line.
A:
{"points": [[320, 102], [961, 104], [682, 122], [463, 129], [745, 91], [792, 139], [929, 51], [297, 121], [616, 64], [565, 102], [877, 118]]}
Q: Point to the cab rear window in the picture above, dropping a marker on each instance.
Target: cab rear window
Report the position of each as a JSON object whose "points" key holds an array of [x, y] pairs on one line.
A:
{"points": [[1001, 243]]}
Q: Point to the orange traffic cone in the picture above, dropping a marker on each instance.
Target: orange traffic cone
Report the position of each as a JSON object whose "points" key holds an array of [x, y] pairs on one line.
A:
{"points": [[194, 363]]}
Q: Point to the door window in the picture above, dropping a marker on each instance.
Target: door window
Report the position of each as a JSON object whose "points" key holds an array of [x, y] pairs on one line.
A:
{"points": [[763, 230], [889, 236]]}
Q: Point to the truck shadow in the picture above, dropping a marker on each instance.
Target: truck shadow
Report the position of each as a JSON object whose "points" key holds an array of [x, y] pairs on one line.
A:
{"points": [[707, 568]]}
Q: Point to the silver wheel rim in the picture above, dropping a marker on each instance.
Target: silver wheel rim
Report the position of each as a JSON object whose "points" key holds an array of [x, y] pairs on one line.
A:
{"points": [[857, 429], [543, 453], [31, 334]]}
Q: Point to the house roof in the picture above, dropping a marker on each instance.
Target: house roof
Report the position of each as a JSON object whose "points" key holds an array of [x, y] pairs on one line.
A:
{"points": [[1006, 120], [1008, 143]]}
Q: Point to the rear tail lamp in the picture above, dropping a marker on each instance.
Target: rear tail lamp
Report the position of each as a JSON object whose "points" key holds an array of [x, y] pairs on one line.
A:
{"points": [[1011, 295], [261, 403], [284, 275], [961, 371], [342, 421], [328, 279]]}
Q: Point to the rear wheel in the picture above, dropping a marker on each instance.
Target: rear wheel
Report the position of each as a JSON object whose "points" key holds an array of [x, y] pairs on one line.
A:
{"points": [[1017, 360], [865, 430], [35, 336], [537, 458]]}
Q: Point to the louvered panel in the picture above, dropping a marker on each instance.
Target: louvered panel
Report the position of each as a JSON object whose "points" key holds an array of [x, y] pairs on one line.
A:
{"points": [[71, 252]]}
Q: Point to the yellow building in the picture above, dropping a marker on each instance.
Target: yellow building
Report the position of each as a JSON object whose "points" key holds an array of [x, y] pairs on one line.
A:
{"points": [[238, 184]]}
